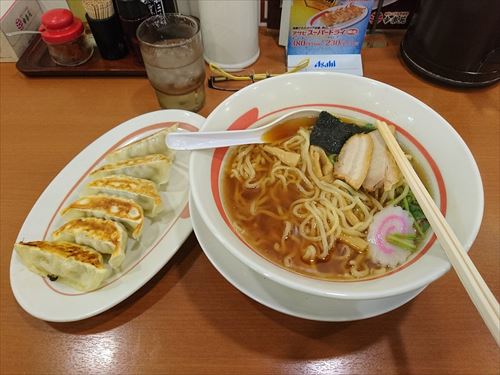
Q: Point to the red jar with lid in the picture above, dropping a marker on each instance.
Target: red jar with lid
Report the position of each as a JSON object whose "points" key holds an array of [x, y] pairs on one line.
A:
{"points": [[65, 38]]}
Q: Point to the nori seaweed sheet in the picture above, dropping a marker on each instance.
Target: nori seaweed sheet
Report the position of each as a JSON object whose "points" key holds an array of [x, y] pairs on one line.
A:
{"points": [[330, 133]]}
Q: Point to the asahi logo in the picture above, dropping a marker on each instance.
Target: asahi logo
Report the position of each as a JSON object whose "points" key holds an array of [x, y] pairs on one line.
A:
{"points": [[325, 64]]}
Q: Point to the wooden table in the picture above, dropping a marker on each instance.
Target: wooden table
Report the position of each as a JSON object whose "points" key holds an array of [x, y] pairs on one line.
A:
{"points": [[188, 319]]}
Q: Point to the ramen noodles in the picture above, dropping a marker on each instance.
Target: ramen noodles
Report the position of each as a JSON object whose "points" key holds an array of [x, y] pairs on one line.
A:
{"points": [[306, 210]]}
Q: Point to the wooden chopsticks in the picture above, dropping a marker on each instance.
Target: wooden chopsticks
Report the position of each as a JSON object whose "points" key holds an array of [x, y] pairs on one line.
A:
{"points": [[478, 291]]}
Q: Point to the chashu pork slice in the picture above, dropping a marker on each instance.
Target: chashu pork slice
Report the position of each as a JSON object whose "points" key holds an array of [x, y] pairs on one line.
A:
{"points": [[383, 171], [76, 265], [378, 164], [392, 173], [354, 160]]}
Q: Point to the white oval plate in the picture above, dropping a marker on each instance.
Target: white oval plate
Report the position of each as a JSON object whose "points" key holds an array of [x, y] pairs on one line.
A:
{"points": [[316, 19], [161, 238], [281, 298]]}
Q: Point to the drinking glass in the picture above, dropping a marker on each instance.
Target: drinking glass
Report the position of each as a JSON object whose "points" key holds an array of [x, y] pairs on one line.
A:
{"points": [[172, 51]]}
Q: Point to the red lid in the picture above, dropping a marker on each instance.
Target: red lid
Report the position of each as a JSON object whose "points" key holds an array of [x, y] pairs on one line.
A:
{"points": [[59, 26]]}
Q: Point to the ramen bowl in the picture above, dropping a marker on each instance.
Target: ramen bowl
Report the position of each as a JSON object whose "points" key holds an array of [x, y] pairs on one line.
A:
{"points": [[451, 174]]}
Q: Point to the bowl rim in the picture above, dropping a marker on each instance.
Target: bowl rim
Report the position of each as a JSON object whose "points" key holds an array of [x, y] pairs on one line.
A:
{"points": [[283, 276]]}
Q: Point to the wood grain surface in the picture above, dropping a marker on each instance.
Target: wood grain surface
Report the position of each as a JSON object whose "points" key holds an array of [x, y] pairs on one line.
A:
{"points": [[188, 319]]}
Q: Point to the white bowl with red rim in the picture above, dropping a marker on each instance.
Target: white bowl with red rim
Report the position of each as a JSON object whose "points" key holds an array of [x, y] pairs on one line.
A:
{"points": [[452, 173]]}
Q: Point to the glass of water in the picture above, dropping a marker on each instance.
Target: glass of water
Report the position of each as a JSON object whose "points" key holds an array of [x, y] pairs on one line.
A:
{"points": [[172, 51]]}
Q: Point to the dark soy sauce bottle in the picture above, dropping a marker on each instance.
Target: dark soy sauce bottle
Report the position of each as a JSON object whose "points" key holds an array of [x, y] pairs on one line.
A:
{"points": [[131, 14]]}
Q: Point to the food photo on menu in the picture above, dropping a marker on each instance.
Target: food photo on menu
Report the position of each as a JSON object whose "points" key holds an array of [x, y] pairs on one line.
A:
{"points": [[291, 186]]}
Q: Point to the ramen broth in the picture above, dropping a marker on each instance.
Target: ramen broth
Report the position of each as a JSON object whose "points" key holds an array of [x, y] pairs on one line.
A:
{"points": [[264, 232], [287, 128]]}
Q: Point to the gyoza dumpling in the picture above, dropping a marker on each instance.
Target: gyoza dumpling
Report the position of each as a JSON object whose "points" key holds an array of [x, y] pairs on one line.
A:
{"points": [[125, 211], [140, 190], [155, 167], [154, 144], [106, 236], [76, 265]]}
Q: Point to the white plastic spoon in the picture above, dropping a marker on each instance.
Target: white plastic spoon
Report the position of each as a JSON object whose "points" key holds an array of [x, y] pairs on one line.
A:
{"points": [[204, 140]]}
